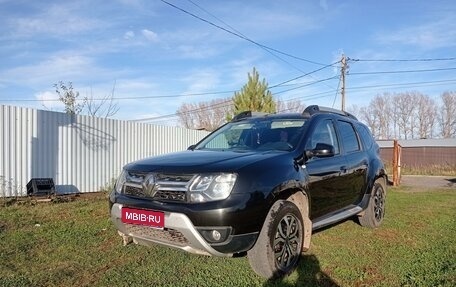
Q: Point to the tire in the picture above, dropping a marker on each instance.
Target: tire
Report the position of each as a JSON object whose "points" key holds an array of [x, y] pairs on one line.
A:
{"points": [[375, 211], [278, 248]]}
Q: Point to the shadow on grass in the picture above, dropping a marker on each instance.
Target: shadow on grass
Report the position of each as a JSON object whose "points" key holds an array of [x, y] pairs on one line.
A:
{"points": [[309, 274]]}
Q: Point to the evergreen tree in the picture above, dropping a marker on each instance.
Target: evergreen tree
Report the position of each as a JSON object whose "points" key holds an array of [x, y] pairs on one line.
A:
{"points": [[254, 96]]}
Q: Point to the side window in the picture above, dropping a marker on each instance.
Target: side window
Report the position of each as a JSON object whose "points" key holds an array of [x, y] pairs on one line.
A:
{"points": [[366, 136], [349, 138], [325, 133]]}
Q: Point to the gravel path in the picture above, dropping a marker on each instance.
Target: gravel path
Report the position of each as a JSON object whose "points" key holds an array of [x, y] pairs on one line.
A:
{"points": [[424, 182]]}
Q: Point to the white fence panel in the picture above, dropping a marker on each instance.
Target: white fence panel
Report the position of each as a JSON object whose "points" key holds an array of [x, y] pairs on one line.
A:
{"points": [[81, 153]]}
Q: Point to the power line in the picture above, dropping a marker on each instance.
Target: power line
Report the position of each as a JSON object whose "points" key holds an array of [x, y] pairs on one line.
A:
{"points": [[306, 85], [239, 35], [218, 104], [404, 60], [401, 71], [403, 84], [223, 104], [307, 97], [302, 76], [126, 98], [337, 90]]}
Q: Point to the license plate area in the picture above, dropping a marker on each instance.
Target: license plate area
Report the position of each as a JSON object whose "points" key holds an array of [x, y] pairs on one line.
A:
{"points": [[155, 219]]}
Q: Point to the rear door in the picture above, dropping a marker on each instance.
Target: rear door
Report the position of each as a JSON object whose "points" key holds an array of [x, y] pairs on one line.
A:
{"points": [[355, 170]]}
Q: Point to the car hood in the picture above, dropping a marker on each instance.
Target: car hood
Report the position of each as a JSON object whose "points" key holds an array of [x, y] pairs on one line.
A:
{"points": [[202, 161]]}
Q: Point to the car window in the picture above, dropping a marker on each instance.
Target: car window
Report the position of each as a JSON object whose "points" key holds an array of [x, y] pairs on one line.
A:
{"points": [[325, 133], [366, 136], [261, 135], [349, 137]]}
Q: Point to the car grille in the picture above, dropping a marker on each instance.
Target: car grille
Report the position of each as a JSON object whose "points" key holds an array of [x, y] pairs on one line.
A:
{"points": [[167, 187], [166, 235]]}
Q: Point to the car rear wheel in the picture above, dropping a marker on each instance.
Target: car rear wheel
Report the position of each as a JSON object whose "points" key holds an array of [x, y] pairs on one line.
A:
{"points": [[278, 248], [375, 212]]}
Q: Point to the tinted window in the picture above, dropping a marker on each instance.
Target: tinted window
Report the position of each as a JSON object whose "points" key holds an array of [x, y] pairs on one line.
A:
{"points": [[366, 136], [325, 133], [256, 134], [349, 138]]}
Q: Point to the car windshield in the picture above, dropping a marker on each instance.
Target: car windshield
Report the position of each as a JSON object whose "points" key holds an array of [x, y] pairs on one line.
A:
{"points": [[259, 134]]}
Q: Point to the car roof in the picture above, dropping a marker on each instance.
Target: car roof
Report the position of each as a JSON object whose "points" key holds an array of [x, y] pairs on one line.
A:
{"points": [[306, 114]]}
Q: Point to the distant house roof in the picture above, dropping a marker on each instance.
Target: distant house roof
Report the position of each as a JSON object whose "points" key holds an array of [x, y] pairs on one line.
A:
{"points": [[451, 142]]}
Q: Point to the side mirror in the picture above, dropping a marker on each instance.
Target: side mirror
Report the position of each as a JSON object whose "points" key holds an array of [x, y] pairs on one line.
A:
{"points": [[321, 150], [192, 147]]}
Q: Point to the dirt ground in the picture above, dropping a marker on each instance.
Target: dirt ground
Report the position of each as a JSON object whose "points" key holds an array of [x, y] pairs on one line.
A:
{"points": [[420, 182]]}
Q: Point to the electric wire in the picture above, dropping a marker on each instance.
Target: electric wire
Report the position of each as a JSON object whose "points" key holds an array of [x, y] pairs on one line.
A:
{"points": [[240, 36], [240, 33], [401, 71], [404, 60]]}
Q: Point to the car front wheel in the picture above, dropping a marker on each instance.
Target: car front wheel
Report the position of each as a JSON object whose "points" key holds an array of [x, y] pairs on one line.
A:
{"points": [[278, 248]]}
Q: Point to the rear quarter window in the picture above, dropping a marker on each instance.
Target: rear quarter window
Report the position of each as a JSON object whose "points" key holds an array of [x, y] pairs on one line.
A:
{"points": [[349, 137], [366, 136]]}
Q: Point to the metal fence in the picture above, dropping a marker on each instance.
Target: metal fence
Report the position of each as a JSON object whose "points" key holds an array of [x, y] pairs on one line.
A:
{"points": [[81, 153]]}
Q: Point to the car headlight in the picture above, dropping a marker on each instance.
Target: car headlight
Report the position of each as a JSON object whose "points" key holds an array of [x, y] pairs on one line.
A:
{"points": [[211, 187], [120, 181]]}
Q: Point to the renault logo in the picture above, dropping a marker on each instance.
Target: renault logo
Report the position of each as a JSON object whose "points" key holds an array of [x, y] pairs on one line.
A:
{"points": [[149, 185]]}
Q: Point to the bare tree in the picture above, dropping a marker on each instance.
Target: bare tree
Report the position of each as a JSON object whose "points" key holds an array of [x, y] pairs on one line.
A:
{"points": [[291, 106], [447, 115], [367, 115], [205, 115], [102, 107], [406, 105], [426, 116], [377, 116]]}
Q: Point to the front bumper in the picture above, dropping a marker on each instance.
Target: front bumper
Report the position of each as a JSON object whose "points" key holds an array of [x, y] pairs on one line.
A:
{"points": [[179, 232]]}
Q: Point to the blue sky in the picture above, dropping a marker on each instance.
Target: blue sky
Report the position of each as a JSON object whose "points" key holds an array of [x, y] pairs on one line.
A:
{"points": [[150, 49]]}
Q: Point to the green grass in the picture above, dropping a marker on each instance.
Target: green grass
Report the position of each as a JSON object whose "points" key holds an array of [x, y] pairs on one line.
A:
{"points": [[74, 244]]}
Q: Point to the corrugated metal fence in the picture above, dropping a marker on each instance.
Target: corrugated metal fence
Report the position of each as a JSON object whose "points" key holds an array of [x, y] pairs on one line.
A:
{"points": [[81, 153]]}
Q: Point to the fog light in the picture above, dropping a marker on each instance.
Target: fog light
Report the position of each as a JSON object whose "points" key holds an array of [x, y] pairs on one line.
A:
{"points": [[216, 235]]}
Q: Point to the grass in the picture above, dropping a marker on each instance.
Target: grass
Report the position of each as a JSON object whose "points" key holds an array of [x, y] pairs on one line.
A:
{"points": [[74, 244], [432, 169]]}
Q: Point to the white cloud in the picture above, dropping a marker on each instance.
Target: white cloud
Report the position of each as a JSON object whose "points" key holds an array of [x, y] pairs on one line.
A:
{"points": [[432, 35], [59, 67], [129, 35], [55, 20], [150, 35], [201, 81]]}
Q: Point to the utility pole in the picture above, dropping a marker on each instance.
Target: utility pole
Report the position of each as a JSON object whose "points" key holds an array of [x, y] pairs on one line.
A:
{"points": [[343, 70]]}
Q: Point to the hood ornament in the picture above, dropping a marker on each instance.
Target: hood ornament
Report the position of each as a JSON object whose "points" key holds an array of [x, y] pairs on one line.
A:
{"points": [[149, 185]]}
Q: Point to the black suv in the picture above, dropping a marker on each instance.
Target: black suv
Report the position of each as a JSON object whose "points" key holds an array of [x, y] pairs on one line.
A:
{"points": [[259, 184]]}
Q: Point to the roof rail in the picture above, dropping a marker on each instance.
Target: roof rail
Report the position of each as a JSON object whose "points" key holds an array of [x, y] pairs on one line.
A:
{"points": [[314, 109], [248, 114]]}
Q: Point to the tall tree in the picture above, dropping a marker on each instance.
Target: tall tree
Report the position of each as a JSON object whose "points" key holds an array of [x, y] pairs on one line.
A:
{"points": [[377, 116], [447, 116], [426, 116], [406, 104], [254, 96]]}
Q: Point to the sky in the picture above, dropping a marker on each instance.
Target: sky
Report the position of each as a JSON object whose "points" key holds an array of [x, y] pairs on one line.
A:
{"points": [[156, 55]]}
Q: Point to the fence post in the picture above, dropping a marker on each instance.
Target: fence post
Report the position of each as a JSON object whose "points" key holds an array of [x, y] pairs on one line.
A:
{"points": [[396, 163]]}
